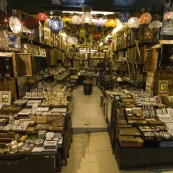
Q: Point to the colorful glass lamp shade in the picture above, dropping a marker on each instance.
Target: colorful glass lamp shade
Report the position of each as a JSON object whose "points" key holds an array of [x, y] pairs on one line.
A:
{"points": [[76, 20], [124, 17], [111, 21], [55, 25], [145, 17], [99, 23], [86, 17], [42, 17], [133, 22]]}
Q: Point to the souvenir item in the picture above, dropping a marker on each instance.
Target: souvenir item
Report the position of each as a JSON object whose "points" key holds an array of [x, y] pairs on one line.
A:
{"points": [[55, 25], [15, 24]]}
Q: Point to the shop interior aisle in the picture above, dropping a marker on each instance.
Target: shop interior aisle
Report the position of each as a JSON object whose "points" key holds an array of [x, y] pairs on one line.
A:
{"points": [[91, 149]]}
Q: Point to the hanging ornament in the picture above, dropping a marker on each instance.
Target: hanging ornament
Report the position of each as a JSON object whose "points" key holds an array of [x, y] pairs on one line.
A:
{"points": [[133, 22], [3, 18], [99, 22], [76, 19], [86, 17], [155, 24], [42, 17], [145, 17], [124, 17], [55, 25], [111, 21], [30, 22]]}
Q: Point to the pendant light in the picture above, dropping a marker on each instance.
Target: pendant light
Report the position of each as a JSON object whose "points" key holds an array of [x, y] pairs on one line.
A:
{"points": [[133, 22], [124, 17], [41, 17], [76, 20], [99, 22], [86, 16], [55, 25], [156, 22], [145, 17], [111, 21]]}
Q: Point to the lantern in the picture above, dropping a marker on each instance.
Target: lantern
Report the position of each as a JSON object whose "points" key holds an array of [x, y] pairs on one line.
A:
{"points": [[155, 24], [41, 17], [133, 22], [111, 21], [76, 19], [67, 18], [145, 17], [124, 16], [99, 22], [86, 17], [55, 25]]}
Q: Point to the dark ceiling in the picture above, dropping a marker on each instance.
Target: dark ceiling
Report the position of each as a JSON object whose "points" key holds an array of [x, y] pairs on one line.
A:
{"points": [[35, 6]]}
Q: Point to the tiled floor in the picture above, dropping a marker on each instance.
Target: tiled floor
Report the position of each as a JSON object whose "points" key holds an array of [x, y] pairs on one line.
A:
{"points": [[87, 114], [91, 150]]}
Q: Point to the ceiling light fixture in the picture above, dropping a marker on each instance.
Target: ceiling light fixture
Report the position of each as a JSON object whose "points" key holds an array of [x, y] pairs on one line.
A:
{"points": [[86, 16], [111, 21]]}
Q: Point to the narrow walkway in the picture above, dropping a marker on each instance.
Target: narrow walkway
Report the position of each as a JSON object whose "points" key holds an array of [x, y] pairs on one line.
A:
{"points": [[87, 113]]}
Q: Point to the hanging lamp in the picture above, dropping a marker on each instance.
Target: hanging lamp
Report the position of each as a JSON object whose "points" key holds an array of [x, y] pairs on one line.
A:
{"points": [[156, 22], [145, 17], [41, 17], [111, 21], [55, 25], [86, 16], [99, 22], [124, 17], [76, 20], [133, 22]]}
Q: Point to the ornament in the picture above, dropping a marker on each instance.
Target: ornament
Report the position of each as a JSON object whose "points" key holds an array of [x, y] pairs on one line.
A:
{"points": [[145, 17], [133, 22], [55, 25], [124, 17], [76, 19], [42, 17], [86, 17]]}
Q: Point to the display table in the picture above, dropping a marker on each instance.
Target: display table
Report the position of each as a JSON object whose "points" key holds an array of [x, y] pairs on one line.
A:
{"points": [[135, 157], [28, 163]]}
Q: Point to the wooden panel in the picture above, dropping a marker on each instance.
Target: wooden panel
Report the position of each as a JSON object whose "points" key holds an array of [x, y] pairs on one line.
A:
{"points": [[22, 65]]}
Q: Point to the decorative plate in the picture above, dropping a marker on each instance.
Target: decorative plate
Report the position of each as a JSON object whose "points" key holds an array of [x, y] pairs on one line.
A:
{"points": [[15, 24], [55, 25]]}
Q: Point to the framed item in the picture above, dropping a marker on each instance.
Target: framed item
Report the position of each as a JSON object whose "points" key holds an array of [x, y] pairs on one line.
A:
{"points": [[163, 86], [13, 41], [42, 52], [5, 97], [3, 39]]}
